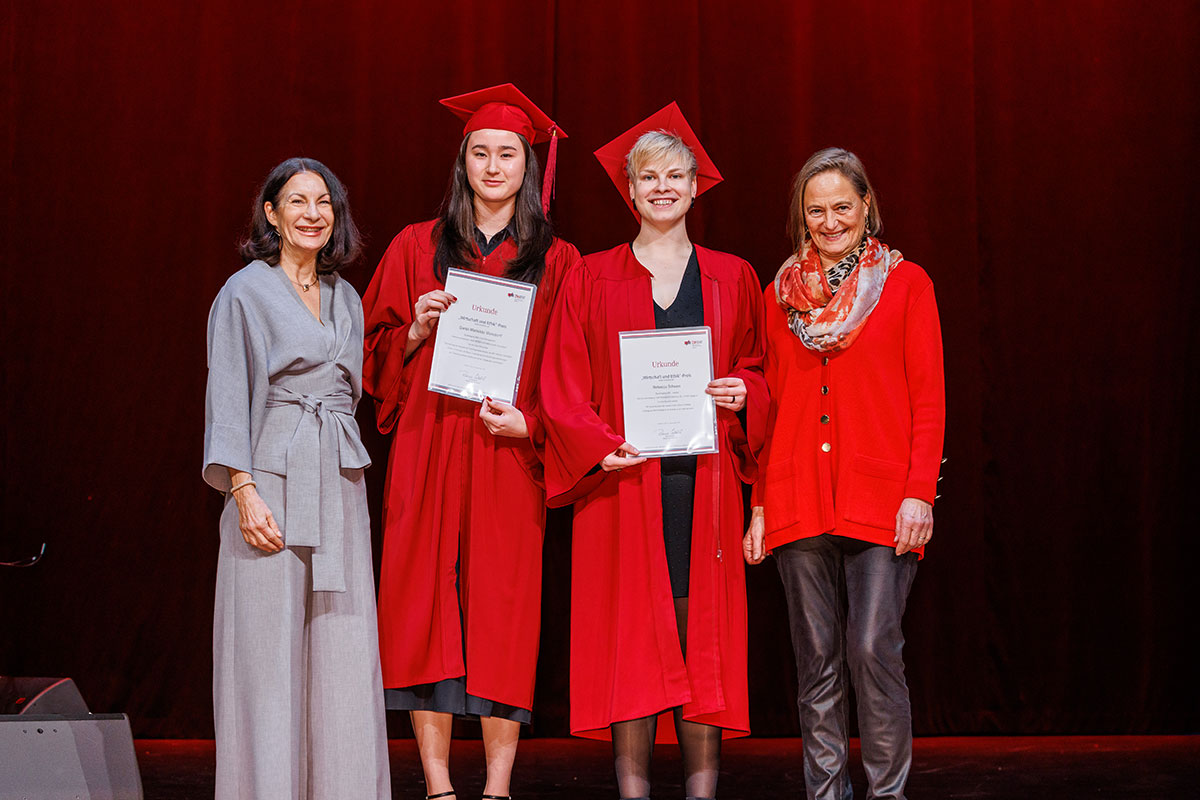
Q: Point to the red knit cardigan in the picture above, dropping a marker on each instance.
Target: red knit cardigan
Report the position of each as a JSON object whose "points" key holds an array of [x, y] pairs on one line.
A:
{"points": [[851, 434]]}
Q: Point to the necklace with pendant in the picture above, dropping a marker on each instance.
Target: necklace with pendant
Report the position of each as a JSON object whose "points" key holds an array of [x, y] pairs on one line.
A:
{"points": [[304, 287]]}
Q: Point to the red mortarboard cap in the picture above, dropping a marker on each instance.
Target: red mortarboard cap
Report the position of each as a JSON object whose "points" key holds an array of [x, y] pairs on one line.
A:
{"points": [[669, 118], [505, 108]]}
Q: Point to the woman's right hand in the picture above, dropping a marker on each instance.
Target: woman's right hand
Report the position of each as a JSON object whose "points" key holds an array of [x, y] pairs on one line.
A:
{"points": [[624, 456], [426, 311], [752, 543], [256, 521]]}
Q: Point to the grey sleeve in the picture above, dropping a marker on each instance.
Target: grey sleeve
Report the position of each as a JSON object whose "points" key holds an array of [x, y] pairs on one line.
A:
{"points": [[227, 398], [356, 378]]}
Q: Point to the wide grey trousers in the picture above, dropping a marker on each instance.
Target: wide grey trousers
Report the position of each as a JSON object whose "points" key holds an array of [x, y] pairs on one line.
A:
{"points": [[297, 688], [845, 602]]}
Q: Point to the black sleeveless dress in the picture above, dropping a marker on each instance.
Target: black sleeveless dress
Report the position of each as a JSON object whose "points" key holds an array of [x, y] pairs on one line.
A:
{"points": [[679, 472]]}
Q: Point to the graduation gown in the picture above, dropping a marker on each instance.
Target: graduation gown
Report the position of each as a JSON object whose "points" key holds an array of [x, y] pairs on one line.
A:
{"points": [[626, 661], [464, 511]]}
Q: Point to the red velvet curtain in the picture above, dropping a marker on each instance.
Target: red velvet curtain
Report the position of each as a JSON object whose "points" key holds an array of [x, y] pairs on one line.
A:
{"points": [[1037, 159]]}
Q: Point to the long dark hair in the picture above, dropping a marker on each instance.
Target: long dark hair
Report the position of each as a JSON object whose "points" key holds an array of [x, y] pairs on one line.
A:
{"points": [[262, 243], [455, 229]]}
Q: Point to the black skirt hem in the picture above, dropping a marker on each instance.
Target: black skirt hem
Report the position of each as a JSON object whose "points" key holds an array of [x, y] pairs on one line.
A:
{"points": [[449, 696]]}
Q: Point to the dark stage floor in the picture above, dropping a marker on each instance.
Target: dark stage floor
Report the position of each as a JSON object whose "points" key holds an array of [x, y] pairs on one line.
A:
{"points": [[1030, 768]]}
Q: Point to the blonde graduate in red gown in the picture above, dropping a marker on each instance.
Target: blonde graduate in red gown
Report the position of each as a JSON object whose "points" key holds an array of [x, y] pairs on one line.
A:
{"points": [[658, 601], [464, 509]]}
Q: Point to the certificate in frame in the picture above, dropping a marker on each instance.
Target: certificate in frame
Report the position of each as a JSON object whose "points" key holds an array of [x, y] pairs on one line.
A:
{"points": [[663, 377], [479, 344]]}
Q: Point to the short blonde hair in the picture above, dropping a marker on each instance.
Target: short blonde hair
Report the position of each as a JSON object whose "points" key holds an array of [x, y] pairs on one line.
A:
{"points": [[655, 146]]}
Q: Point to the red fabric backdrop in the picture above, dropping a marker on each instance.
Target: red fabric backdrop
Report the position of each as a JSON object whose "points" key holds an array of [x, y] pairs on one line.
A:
{"points": [[1037, 159]]}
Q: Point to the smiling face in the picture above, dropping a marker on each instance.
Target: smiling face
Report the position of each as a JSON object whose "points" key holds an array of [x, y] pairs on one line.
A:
{"points": [[303, 217], [663, 191], [834, 215], [495, 163]]}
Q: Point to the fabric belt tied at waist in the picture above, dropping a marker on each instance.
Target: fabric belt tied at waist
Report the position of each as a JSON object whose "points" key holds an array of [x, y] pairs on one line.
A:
{"points": [[314, 516]]}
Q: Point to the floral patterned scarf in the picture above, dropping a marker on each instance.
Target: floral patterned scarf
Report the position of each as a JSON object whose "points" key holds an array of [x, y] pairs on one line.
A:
{"points": [[827, 309]]}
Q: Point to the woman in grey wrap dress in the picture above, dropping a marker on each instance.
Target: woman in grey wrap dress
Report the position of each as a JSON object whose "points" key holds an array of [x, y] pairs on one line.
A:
{"points": [[297, 691]]}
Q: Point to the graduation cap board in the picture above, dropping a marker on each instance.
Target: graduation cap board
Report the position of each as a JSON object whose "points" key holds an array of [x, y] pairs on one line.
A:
{"points": [[612, 156]]}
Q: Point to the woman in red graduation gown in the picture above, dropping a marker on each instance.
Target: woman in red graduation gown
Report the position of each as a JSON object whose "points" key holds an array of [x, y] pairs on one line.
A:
{"points": [[464, 510], [658, 603]]}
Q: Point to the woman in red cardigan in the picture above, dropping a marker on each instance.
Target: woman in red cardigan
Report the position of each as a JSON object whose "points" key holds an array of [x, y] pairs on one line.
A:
{"points": [[854, 442]]}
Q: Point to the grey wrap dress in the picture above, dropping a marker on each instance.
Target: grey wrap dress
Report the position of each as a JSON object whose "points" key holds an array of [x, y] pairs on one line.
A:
{"points": [[297, 688]]}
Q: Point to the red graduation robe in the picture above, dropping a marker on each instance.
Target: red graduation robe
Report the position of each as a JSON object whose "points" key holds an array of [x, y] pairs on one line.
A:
{"points": [[455, 494], [625, 656]]}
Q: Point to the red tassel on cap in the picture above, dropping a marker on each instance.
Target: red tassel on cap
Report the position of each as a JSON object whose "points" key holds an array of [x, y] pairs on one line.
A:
{"points": [[548, 176]]}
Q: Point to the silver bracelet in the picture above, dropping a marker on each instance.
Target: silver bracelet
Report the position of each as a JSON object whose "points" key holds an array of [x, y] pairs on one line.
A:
{"points": [[243, 485]]}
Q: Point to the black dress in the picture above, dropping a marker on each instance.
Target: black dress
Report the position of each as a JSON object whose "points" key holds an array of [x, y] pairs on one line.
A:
{"points": [[679, 472]]}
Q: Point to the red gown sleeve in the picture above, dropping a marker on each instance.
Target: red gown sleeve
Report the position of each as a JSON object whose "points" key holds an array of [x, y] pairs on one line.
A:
{"points": [[927, 394], [749, 350], [577, 439], [388, 311], [560, 261], [770, 378]]}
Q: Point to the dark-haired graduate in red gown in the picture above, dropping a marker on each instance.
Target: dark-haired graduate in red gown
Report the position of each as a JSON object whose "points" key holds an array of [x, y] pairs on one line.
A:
{"points": [[658, 600], [464, 510]]}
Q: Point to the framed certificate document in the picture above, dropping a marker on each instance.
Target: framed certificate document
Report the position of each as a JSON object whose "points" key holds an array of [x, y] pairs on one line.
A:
{"points": [[480, 339], [663, 377]]}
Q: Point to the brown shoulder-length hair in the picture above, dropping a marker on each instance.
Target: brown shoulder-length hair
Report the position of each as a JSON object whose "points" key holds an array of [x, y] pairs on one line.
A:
{"points": [[845, 162], [262, 243], [455, 228]]}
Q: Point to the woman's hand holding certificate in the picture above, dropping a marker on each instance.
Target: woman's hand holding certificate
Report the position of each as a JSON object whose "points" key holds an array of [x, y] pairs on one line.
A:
{"points": [[426, 311], [666, 377], [728, 393], [481, 337], [502, 419], [624, 456]]}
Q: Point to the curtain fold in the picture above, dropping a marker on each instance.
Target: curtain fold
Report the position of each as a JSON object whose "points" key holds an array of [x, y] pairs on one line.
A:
{"points": [[1038, 160]]}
